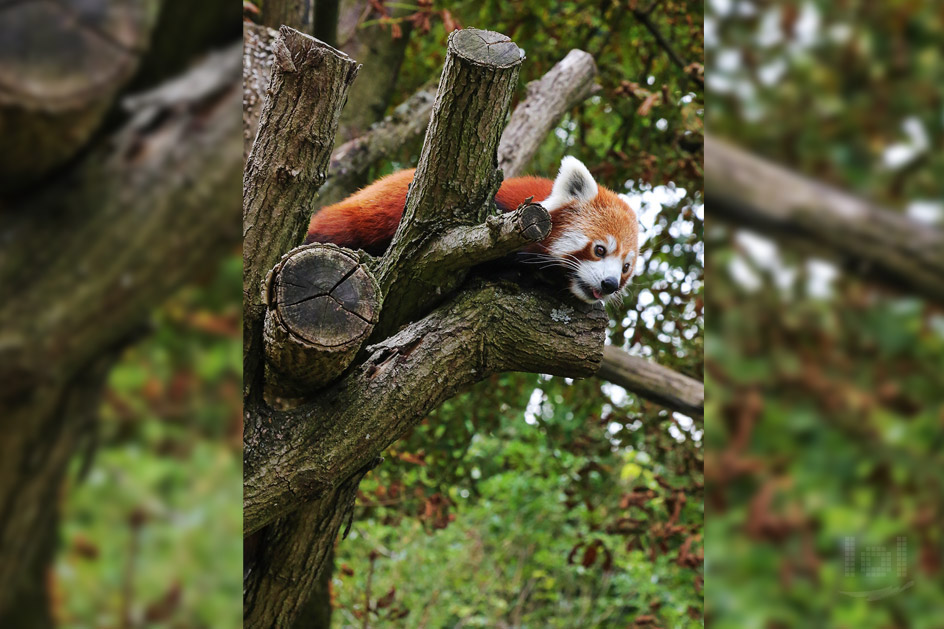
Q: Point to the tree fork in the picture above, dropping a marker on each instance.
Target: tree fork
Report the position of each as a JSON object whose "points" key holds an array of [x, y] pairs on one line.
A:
{"points": [[456, 176]]}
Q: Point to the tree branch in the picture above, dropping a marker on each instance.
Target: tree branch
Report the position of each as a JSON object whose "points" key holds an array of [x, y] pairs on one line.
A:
{"points": [[286, 167], [653, 382], [322, 304], [645, 19], [59, 78], [456, 177], [299, 455], [565, 85], [871, 242], [86, 259]]}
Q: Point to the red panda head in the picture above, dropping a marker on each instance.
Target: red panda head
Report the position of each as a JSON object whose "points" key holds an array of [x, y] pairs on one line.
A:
{"points": [[594, 233]]}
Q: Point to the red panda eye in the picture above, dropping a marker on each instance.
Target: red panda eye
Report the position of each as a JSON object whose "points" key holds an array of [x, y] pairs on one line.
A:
{"points": [[600, 251], [626, 268]]}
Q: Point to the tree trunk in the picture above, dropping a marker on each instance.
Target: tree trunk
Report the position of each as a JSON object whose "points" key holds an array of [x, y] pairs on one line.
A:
{"points": [[86, 259]]}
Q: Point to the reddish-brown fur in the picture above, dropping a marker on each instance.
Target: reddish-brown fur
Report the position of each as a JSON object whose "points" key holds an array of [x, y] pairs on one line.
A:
{"points": [[368, 218]]}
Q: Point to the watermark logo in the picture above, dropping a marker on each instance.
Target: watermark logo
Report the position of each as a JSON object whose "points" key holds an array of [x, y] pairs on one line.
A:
{"points": [[876, 564]]}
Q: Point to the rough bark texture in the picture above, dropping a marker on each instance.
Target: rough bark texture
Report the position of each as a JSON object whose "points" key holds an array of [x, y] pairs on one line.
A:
{"points": [[301, 454], [299, 549], [286, 167], [61, 66], [874, 243], [88, 258], [322, 304], [456, 177], [653, 382], [258, 58], [565, 85]]}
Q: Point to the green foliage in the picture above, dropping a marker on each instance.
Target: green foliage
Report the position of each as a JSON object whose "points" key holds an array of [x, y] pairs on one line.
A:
{"points": [[825, 407], [152, 533], [525, 548]]}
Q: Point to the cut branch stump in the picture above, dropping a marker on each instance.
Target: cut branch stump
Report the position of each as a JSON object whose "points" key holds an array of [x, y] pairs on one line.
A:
{"points": [[322, 304]]}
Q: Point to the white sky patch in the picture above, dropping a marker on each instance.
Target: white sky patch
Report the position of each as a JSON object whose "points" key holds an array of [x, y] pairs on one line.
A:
{"points": [[900, 154], [822, 274], [926, 211], [772, 72], [743, 274], [728, 60], [807, 26], [617, 394], [534, 407], [648, 203], [710, 27], [722, 7], [769, 32]]}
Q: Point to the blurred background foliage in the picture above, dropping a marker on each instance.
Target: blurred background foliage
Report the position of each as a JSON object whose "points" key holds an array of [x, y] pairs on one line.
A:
{"points": [[152, 518], [825, 393], [536, 501]]}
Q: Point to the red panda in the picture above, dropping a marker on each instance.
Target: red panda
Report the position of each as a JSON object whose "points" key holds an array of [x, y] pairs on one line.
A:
{"points": [[594, 232]]}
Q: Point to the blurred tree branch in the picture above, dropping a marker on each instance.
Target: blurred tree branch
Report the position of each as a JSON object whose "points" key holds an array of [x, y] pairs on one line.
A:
{"points": [[874, 243]]}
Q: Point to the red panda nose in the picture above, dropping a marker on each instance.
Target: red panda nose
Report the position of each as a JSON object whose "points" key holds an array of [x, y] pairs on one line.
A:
{"points": [[609, 285]]}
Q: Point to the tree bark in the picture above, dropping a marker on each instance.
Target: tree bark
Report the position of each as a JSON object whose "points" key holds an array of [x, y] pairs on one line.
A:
{"points": [[653, 382], [873, 243], [87, 258], [258, 58], [287, 165], [322, 304], [456, 177]]}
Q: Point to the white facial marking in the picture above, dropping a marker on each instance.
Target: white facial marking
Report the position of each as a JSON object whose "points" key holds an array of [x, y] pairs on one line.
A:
{"points": [[568, 242]]}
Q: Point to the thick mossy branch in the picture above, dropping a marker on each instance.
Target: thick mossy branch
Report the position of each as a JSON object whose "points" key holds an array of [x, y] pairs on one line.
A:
{"points": [[871, 242], [297, 547], [299, 455], [322, 305], [286, 167], [90, 256], [653, 382], [456, 177]]}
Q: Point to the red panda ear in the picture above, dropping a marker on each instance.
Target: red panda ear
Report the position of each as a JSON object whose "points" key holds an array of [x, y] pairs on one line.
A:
{"points": [[574, 183]]}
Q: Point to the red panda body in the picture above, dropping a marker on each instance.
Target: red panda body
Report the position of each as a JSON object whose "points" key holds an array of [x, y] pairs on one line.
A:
{"points": [[593, 234]]}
